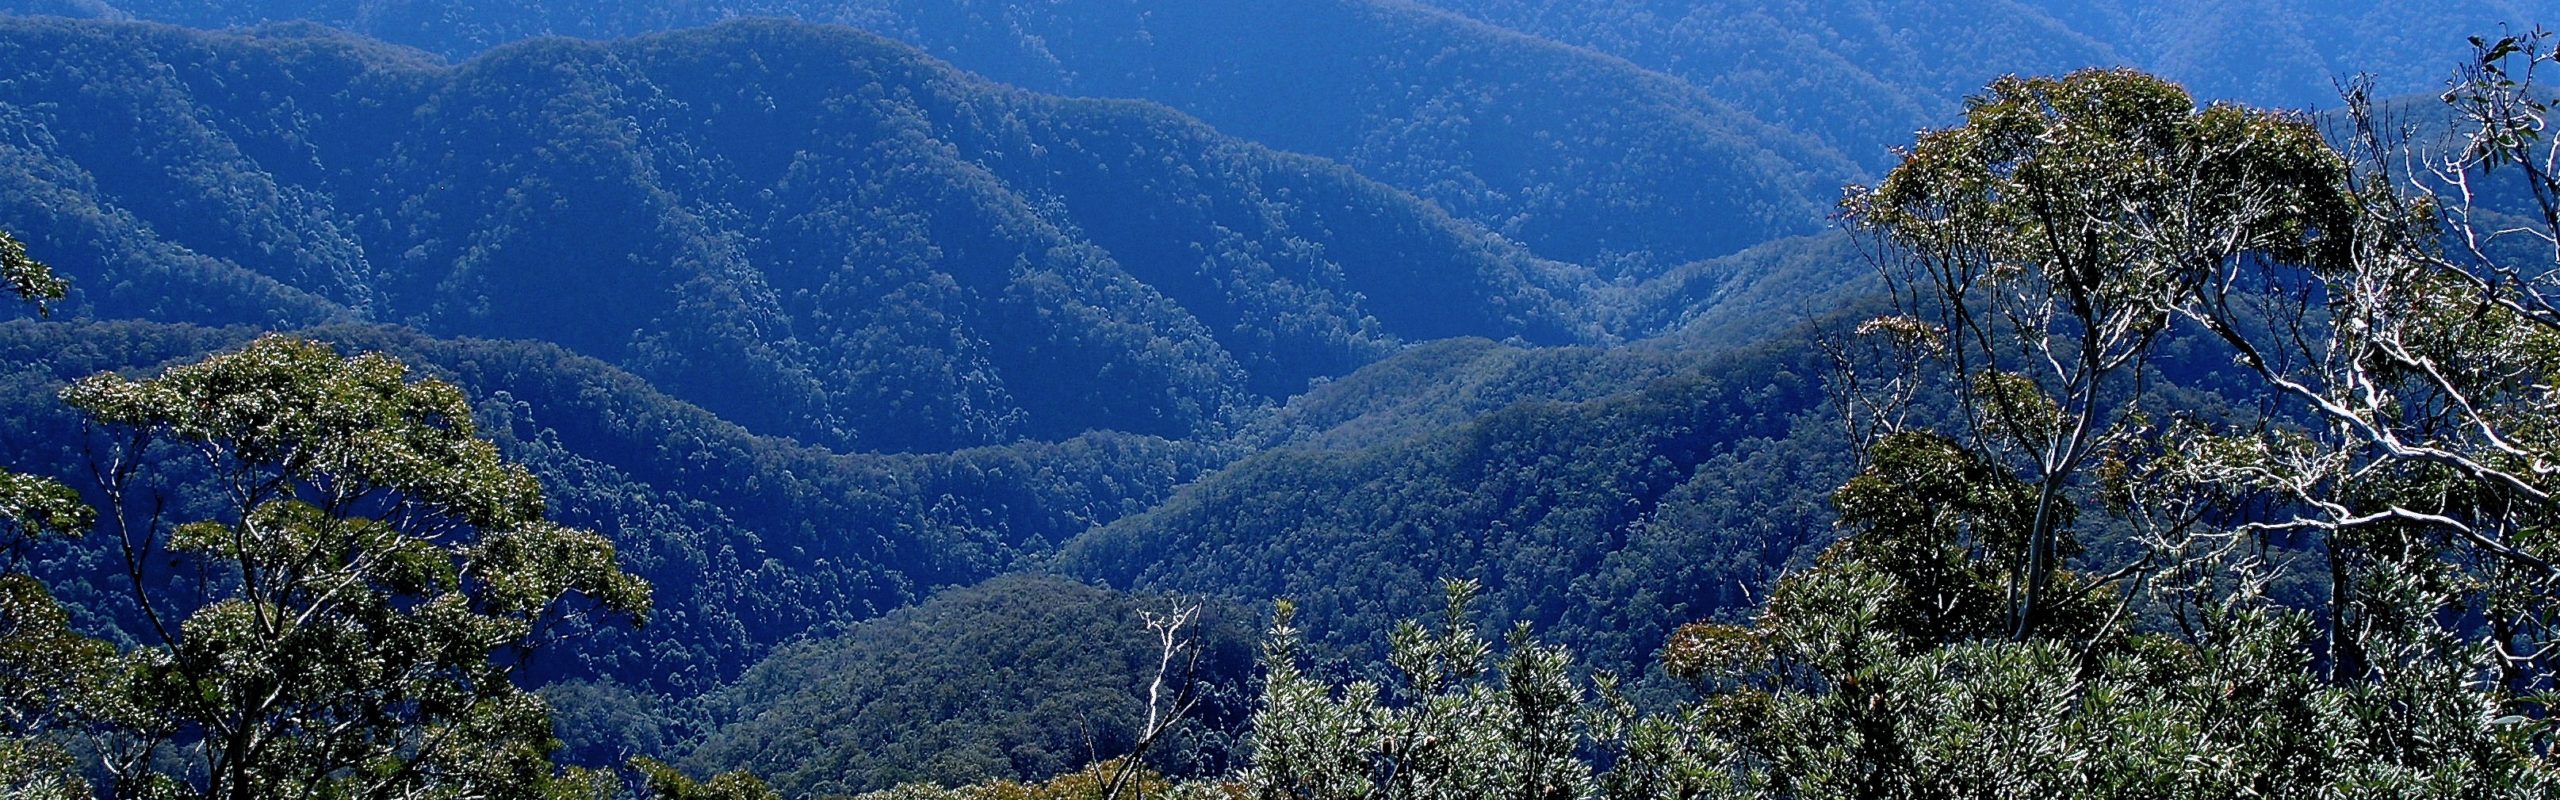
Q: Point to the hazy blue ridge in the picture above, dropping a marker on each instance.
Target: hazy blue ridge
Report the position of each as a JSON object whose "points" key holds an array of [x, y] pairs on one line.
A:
{"points": [[811, 231], [1580, 155]]}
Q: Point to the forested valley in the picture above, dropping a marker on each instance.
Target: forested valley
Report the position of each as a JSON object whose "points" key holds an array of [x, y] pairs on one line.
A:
{"points": [[1260, 399]]}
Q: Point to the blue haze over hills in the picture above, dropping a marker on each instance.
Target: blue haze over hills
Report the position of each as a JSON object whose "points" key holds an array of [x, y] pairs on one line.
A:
{"points": [[823, 317]]}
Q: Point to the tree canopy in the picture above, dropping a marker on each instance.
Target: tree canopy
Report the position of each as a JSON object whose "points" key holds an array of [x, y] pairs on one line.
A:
{"points": [[344, 624]]}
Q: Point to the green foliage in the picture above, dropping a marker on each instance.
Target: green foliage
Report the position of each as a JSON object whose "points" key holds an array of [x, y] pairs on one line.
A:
{"points": [[1892, 667], [51, 677], [375, 557], [44, 665], [1826, 697], [1845, 707], [839, 242], [34, 506], [1605, 496], [748, 540], [2110, 184], [2045, 247], [1949, 527], [294, 408], [48, 672], [26, 277], [1019, 678], [1086, 784], [1445, 732], [668, 783], [2070, 222]]}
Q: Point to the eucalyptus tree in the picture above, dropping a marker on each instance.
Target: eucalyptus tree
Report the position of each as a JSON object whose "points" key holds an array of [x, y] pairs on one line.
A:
{"points": [[2396, 308], [2041, 248], [45, 666], [352, 607], [31, 280], [2044, 252], [32, 506], [2421, 365]]}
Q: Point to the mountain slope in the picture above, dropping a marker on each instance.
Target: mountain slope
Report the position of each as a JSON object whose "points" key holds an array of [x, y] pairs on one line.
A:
{"points": [[1603, 495], [1020, 678], [1483, 105], [748, 540], [811, 231], [1861, 75], [1581, 156]]}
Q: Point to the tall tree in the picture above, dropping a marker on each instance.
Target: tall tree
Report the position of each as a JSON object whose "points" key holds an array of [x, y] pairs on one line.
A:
{"points": [[373, 565], [2047, 242], [45, 666], [2419, 359]]}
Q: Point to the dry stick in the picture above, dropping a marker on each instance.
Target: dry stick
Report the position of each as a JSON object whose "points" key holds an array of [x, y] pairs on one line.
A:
{"points": [[1168, 630]]}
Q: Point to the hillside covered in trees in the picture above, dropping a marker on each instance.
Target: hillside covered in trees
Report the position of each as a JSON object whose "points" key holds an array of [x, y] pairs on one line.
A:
{"points": [[1861, 76], [1105, 398], [1766, 109], [1567, 164], [824, 241]]}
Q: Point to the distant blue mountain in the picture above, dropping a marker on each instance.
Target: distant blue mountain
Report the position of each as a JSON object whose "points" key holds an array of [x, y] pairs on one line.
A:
{"points": [[1631, 135], [1861, 75], [812, 231], [1579, 155]]}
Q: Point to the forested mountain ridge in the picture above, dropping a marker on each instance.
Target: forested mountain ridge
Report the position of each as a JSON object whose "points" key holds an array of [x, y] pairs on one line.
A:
{"points": [[1862, 75], [1022, 675], [814, 232], [749, 540], [907, 391], [1601, 495], [1578, 155], [1560, 125], [684, 404]]}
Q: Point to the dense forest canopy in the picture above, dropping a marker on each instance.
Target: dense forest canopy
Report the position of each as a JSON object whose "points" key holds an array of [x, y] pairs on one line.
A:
{"points": [[1429, 102], [1862, 75], [826, 241], [1615, 133], [563, 398]]}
